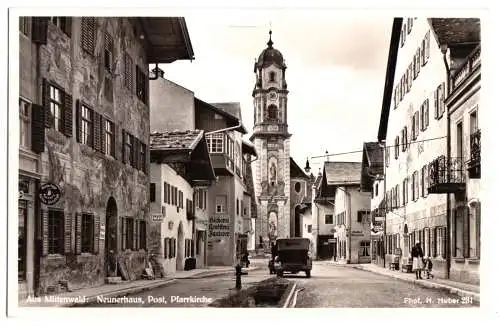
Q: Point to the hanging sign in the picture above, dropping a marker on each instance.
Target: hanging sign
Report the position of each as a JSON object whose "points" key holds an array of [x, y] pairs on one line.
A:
{"points": [[49, 193]]}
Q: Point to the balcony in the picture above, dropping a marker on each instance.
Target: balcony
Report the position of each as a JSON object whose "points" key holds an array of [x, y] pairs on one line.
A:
{"points": [[474, 164], [222, 164], [471, 63], [446, 176]]}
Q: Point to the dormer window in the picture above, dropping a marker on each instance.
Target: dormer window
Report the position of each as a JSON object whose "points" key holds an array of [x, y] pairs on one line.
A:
{"points": [[272, 77]]}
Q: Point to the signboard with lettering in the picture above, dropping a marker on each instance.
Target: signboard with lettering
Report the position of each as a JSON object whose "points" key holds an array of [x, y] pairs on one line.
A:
{"points": [[49, 193], [102, 231], [219, 226], [157, 217]]}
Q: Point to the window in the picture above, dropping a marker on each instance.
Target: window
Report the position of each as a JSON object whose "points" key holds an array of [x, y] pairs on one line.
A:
{"points": [[297, 187], [237, 206], [272, 77], [87, 233], [439, 101], [25, 25], [409, 74], [108, 52], [474, 230], [416, 187], [24, 123], [166, 190], [56, 232], [109, 138], [396, 196], [433, 242], [89, 32], [396, 148], [22, 239], [142, 157], [424, 113], [215, 143], [129, 74], [142, 235], [426, 48], [56, 107], [328, 219], [181, 199], [128, 148], [403, 35], [129, 233], [173, 195], [376, 189], [363, 216], [272, 112], [403, 142], [405, 191], [86, 129], [364, 248], [417, 62], [166, 248], [140, 84], [441, 241], [473, 122], [220, 204], [152, 192]]}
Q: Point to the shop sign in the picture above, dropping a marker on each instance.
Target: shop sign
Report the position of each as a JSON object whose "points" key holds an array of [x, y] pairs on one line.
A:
{"points": [[49, 193], [219, 226], [102, 232], [157, 217]]}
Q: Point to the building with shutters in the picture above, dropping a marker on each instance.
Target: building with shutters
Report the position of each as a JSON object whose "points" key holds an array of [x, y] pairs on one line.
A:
{"points": [[421, 176], [84, 148], [463, 104], [340, 187], [181, 172], [224, 207]]}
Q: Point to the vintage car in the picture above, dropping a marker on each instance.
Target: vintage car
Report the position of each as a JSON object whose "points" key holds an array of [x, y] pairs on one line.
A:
{"points": [[293, 255]]}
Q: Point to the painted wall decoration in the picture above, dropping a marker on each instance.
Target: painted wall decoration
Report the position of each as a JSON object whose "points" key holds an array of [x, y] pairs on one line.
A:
{"points": [[273, 225]]}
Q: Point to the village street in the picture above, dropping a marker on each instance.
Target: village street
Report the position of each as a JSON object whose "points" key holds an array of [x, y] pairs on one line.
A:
{"points": [[329, 286]]}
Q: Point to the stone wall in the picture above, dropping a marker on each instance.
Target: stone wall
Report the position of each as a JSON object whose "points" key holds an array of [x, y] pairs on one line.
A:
{"points": [[87, 177]]}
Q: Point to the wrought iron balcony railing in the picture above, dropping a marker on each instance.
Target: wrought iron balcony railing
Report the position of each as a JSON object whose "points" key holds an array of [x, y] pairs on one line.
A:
{"points": [[446, 175], [474, 164]]}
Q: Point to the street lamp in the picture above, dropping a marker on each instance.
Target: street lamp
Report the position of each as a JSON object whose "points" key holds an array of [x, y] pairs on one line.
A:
{"points": [[307, 168]]}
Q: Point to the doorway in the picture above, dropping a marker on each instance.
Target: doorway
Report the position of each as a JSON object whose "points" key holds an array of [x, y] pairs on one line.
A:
{"points": [[111, 241], [297, 231]]}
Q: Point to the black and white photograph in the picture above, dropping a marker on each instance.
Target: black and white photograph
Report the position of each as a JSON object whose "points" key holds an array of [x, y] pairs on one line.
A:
{"points": [[252, 158]]}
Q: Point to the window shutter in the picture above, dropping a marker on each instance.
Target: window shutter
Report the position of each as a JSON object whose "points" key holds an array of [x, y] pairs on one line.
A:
{"points": [[137, 149], [464, 212], [45, 232], [67, 232], [103, 133], [96, 127], [114, 130], [39, 29], [46, 103], [78, 233], [37, 128], [441, 99], [66, 25], [124, 134], [68, 115], [78, 120], [174, 243], [427, 45], [124, 234], [165, 248], [417, 124], [152, 192], [436, 103], [426, 102], [136, 235], [97, 227], [89, 34], [478, 229]]}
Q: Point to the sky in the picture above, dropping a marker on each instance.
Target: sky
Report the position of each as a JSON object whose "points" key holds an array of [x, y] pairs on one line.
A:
{"points": [[336, 61]]}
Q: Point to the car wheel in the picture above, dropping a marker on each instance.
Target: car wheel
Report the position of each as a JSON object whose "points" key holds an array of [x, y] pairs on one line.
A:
{"points": [[308, 273]]}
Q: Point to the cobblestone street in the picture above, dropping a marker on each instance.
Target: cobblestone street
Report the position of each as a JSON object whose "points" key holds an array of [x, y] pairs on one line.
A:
{"points": [[329, 286]]}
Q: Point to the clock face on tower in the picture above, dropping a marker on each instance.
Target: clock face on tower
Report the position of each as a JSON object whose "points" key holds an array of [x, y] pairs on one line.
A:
{"points": [[273, 96]]}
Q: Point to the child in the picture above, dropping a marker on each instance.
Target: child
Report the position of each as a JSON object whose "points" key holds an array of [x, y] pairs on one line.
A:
{"points": [[428, 267]]}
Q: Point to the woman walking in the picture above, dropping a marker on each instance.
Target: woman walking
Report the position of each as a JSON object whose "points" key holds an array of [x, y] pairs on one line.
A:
{"points": [[417, 254]]}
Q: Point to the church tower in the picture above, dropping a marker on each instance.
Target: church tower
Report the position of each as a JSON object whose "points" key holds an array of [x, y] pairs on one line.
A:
{"points": [[272, 142]]}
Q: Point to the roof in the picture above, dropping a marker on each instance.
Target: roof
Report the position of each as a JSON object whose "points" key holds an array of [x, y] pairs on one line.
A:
{"points": [[342, 173], [296, 171], [248, 148], [318, 180], [389, 78], [175, 140], [452, 31], [233, 109], [167, 39], [372, 164], [270, 55]]}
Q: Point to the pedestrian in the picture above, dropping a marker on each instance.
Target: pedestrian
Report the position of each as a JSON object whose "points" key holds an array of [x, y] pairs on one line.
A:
{"points": [[428, 267], [417, 254]]}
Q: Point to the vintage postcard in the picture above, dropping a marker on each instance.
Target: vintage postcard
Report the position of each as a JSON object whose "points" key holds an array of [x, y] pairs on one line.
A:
{"points": [[245, 159]]}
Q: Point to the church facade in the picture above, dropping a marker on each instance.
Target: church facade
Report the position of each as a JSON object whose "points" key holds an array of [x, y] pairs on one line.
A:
{"points": [[272, 143]]}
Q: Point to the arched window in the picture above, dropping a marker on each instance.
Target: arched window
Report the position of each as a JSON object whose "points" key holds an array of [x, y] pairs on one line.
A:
{"points": [[272, 112], [272, 76]]}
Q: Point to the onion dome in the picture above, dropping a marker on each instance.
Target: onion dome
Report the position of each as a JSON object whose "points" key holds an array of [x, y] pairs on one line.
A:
{"points": [[270, 56]]}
